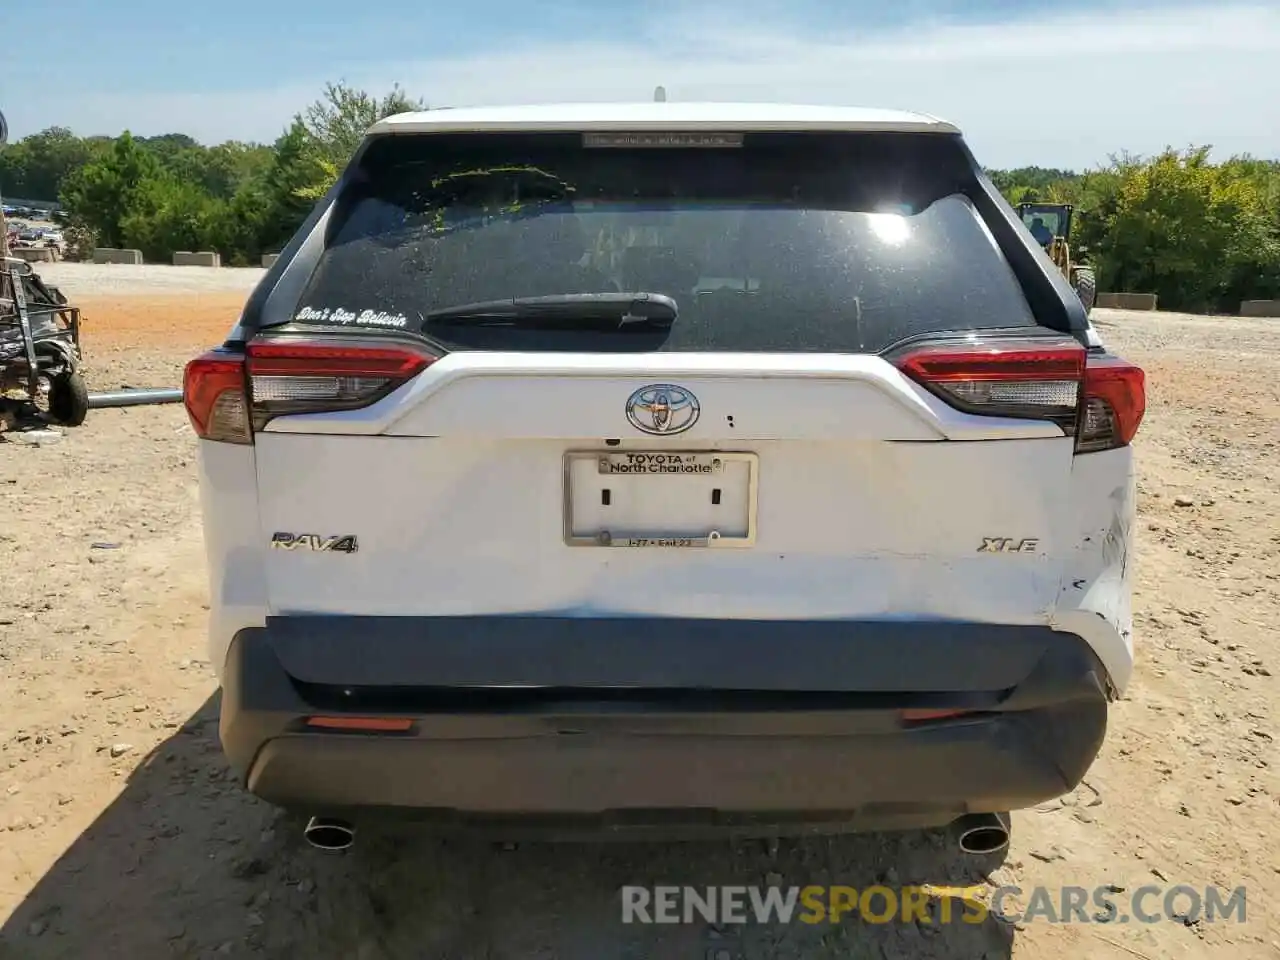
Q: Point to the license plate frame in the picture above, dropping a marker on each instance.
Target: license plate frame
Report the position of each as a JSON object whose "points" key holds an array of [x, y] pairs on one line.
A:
{"points": [[717, 460]]}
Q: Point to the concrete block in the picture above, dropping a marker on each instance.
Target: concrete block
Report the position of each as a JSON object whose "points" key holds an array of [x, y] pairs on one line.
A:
{"points": [[1127, 301], [269, 259], [1260, 308], [206, 258], [116, 255], [34, 254]]}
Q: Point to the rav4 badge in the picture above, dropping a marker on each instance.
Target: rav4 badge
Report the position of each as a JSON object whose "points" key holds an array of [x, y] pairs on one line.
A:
{"points": [[313, 541]]}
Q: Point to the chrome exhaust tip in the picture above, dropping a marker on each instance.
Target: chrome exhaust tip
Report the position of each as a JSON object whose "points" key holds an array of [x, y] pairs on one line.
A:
{"points": [[325, 833], [981, 833]]}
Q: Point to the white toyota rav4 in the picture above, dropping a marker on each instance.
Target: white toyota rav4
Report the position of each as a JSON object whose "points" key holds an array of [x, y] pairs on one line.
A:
{"points": [[743, 466]]}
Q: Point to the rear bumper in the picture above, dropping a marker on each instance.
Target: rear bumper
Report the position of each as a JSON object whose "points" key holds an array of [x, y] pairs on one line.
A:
{"points": [[772, 741]]}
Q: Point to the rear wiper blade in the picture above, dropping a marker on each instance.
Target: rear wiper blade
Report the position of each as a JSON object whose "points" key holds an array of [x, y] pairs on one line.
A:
{"points": [[566, 309]]}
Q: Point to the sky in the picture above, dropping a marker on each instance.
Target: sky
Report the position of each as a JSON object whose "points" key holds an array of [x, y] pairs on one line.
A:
{"points": [[1029, 81]]}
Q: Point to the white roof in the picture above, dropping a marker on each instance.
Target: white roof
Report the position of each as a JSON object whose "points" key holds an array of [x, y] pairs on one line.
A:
{"points": [[664, 117]]}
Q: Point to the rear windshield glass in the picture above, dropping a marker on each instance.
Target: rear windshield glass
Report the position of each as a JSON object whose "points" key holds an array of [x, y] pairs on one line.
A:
{"points": [[770, 242]]}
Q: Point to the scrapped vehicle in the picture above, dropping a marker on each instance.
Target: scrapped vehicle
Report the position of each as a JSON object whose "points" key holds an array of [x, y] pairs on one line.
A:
{"points": [[666, 467], [41, 237], [39, 348]]}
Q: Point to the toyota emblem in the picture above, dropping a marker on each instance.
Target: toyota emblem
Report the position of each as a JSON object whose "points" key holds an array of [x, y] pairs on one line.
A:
{"points": [[662, 409]]}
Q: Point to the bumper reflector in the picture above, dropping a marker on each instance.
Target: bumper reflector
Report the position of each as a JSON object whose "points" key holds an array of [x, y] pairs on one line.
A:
{"points": [[915, 716], [363, 724]]}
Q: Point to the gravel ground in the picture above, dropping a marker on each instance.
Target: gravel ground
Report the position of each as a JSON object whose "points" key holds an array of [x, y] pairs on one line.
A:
{"points": [[96, 279], [122, 834]]}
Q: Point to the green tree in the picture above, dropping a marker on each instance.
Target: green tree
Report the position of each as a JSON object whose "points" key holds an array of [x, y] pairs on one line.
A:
{"points": [[1188, 231], [1030, 184], [1198, 234], [168, 214], [37, 166], [228, 166], [267, 210], [220, 169], [169, 192], [168, 145], [105, 191], [338, 120]]}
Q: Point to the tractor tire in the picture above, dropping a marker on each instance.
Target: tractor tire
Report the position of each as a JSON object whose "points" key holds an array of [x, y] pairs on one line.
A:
{"points": [[68, 399], [1086, 285]]}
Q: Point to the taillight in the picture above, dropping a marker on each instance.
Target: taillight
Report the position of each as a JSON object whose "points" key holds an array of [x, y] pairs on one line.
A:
{"points": [[239, 394], [213, 391], [308, 376], [1115, 399], [1031, 379], [1098, 399]]}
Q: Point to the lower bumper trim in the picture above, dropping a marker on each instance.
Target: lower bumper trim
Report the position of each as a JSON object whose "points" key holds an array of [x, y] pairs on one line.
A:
{"points": [[625, 764]]}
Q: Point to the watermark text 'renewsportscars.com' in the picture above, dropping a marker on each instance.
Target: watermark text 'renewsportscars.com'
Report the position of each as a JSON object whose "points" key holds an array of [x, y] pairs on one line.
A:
{"points": [[930, 904]]}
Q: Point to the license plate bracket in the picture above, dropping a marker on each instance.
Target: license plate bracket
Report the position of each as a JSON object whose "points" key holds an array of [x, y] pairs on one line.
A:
{"points": [[660, 498]]}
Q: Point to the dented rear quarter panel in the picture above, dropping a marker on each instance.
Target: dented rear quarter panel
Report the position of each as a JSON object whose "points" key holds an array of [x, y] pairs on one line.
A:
{"points": [[1095, 600]]}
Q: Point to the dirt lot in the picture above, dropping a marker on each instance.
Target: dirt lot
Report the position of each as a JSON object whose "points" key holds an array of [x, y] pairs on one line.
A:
{"points": [[121, 834]]}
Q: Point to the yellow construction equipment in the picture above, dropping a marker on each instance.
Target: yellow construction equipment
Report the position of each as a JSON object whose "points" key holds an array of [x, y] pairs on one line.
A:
{"points": [[1050, 224]]}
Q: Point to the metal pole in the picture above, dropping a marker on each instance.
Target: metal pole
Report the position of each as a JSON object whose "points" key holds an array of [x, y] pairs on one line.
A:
{"points": [[133, 398]]}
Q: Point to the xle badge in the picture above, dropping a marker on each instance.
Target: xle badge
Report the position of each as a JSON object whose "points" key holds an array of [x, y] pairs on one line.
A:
{"points": [[1008, 545], [313, 541]]}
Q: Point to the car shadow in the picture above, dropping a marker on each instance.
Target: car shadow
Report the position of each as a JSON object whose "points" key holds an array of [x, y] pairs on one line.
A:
{"points": [[183, 863]]}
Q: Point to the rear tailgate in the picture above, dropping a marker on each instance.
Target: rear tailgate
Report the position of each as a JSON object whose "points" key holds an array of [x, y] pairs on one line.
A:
{"points": [[772, 456], [844, 490]]}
